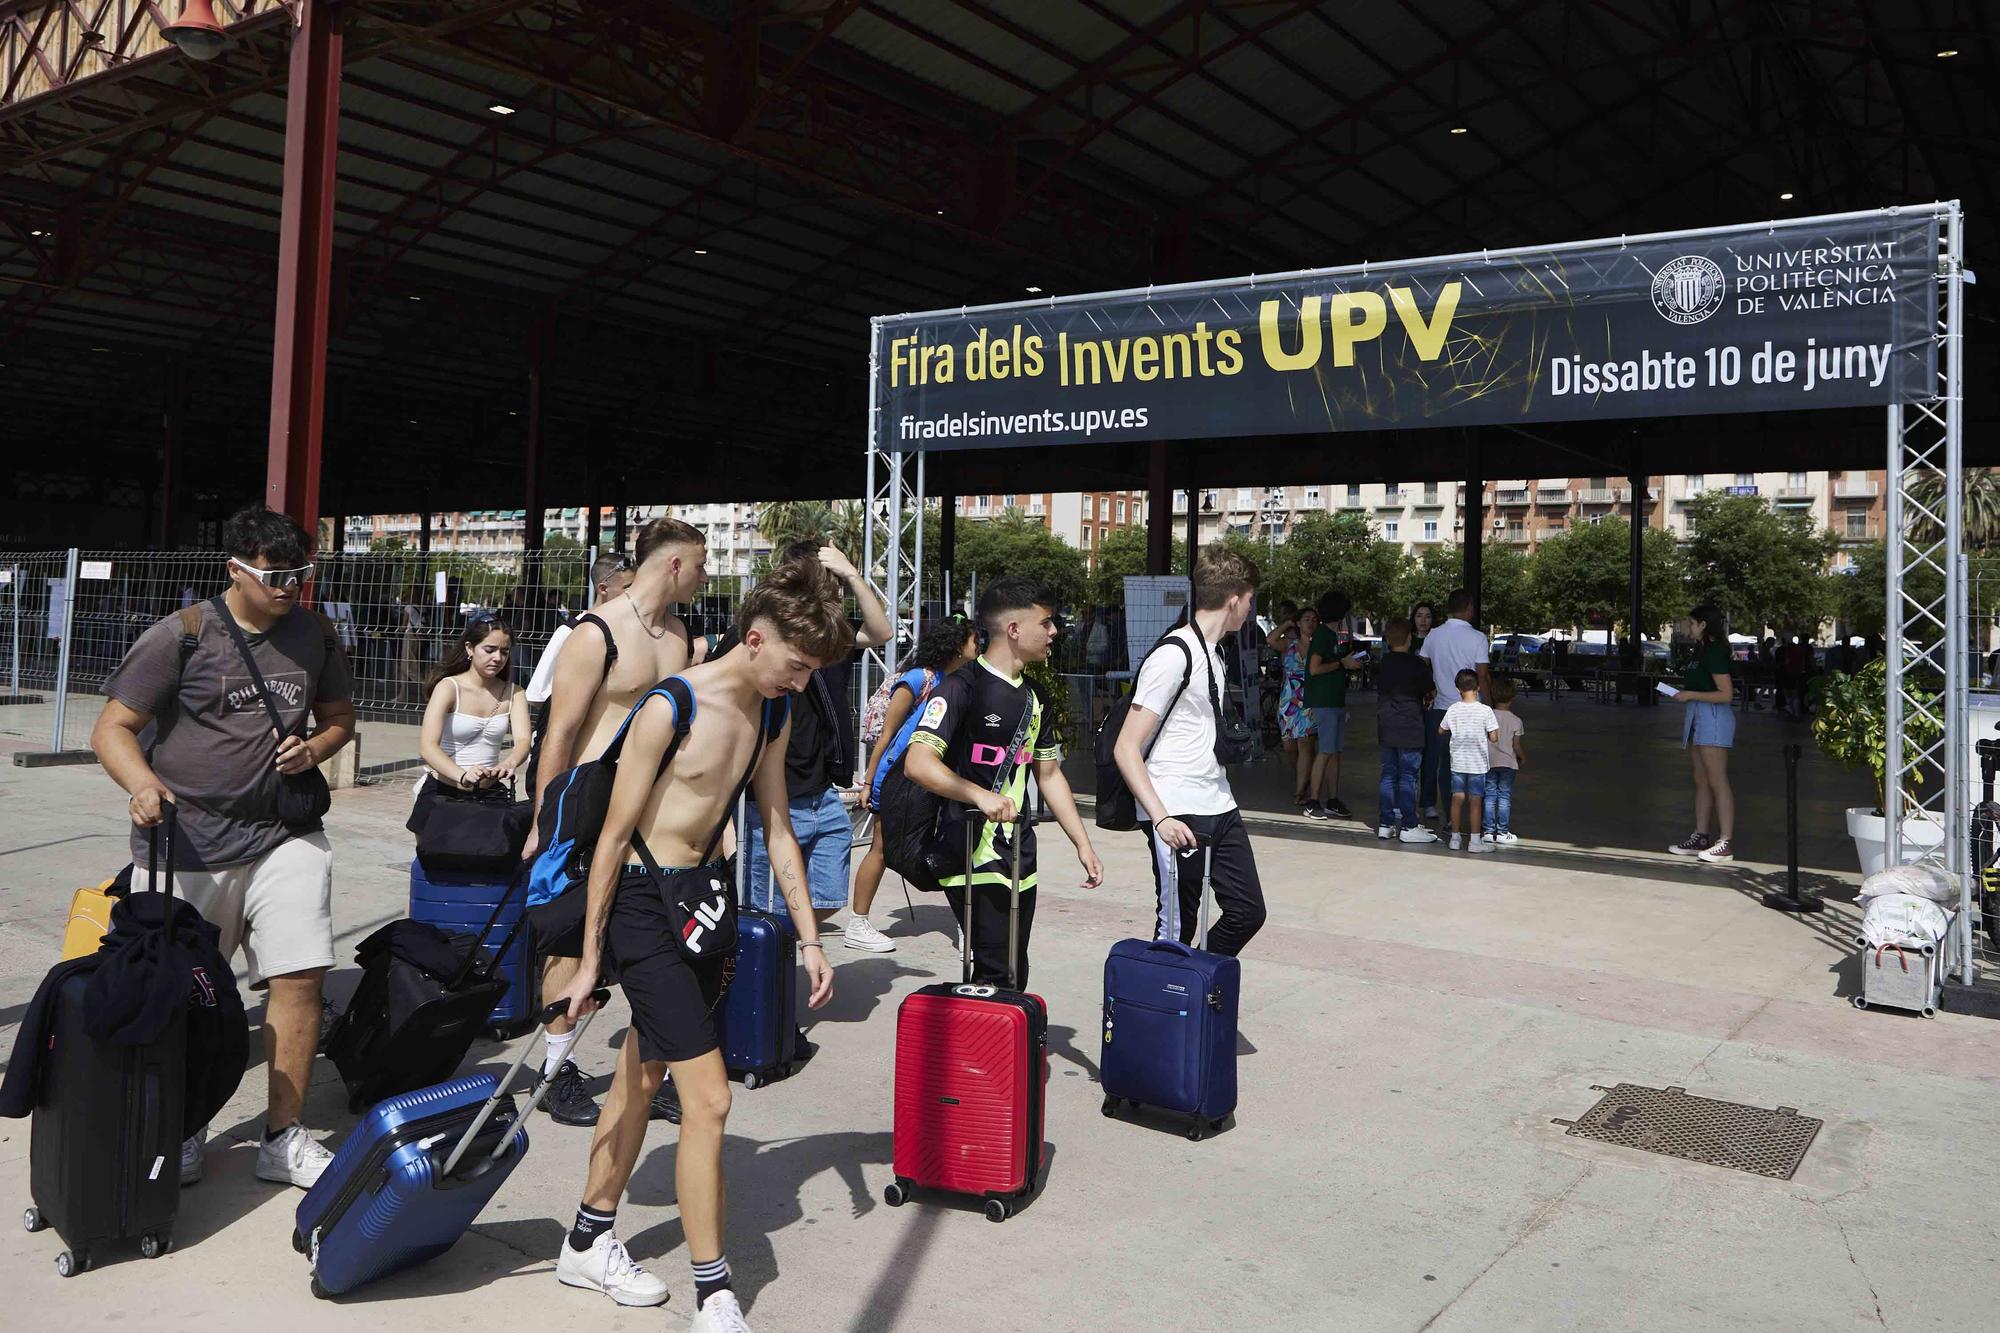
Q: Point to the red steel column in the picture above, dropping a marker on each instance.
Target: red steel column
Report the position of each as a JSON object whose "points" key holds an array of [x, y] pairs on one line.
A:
{"points": [[305, 253]]}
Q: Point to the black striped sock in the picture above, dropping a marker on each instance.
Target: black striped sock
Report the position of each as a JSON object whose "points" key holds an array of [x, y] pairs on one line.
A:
{"points": [[590, 1224], [710, 1278]]}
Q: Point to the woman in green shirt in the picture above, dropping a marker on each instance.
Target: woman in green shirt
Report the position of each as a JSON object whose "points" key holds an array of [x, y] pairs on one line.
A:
{"points": [[1707, 733]]}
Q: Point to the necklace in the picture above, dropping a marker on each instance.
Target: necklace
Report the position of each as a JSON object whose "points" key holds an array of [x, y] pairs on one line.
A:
{"points": [[640, 616]]}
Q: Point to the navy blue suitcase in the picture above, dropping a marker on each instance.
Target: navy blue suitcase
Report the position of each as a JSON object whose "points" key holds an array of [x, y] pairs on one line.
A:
{"points": [[1170, 1027], [758, 1021], [413, 1175], [461, 904]]}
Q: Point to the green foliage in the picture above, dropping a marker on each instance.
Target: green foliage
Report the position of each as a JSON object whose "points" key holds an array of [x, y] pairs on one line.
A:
{"points": [[1857, 598], [1586, 571], [1017, 544], [1046, 677], [1762, 566], [1328, 551], [1507, 597], [1124, 553], [787, 521], [1430, 578], [1851, 725]]}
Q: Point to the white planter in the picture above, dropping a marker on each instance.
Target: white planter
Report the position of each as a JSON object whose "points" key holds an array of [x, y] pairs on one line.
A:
{"points": [[1870, 832]]}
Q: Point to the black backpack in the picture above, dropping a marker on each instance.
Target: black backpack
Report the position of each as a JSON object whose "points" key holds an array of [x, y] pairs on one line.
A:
{"points": [[1117, 807]]}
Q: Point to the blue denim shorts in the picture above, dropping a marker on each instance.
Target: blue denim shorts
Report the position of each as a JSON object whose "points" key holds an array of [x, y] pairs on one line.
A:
{"points": [[1709, 724], [1330, 729], [826, 837], [1468, 784]]}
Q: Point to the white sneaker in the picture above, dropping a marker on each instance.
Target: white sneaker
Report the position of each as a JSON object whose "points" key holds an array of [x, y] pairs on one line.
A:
{"points": [[1417, 834], [194, 1158], [293, 1158], [1385, 831], [861, 934], [1507, 839], [720, 1314], [607, 1268], [1480, 845], [1457, 841]]}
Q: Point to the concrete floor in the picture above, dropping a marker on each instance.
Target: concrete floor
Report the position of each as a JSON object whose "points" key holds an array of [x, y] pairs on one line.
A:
{"points": [[1410, 1028]]}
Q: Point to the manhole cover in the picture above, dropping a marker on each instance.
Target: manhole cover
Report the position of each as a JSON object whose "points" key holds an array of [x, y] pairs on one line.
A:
{"points": [[1757, 1139]]}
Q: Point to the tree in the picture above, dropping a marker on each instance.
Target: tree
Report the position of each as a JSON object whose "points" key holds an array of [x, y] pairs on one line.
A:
{"points": [[1507, 596], [1333, 551], [1761, 566], [1586, 571], [1017, 544], [785, 521], [1979, 505], [1124, 553], [1430, 577]]}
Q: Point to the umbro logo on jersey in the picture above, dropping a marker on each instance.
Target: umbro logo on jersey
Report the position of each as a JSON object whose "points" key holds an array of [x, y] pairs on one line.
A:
{"points": [[992, 719]]}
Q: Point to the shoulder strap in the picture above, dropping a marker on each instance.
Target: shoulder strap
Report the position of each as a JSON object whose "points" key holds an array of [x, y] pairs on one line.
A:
{"points": [[190, 618], [675, 690], [249, 661], [1187, 677], [610, 641]]}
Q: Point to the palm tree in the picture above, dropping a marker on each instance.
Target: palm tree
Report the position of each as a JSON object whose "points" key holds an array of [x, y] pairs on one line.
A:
{"points": [[1979, 505], [785, 521]]}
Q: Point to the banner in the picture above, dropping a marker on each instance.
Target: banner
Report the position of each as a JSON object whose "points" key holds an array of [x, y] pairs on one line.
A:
{"points": [[1775, 318]]}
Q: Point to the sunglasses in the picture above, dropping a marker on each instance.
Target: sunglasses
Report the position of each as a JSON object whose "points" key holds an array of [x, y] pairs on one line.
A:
{"points": [[286, 579]]}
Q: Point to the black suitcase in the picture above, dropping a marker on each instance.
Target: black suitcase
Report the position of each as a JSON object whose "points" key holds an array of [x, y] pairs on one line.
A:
{"points": [[104, 1156], [407, 1027]]}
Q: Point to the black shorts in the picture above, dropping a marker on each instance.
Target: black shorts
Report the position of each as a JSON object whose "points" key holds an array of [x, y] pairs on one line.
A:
{"points": [[673, 1001]]}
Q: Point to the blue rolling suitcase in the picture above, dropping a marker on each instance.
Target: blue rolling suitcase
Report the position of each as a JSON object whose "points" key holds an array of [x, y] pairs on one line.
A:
{"points": [[1170, 1026], [758, 1021], [413, 1175], [463, 903]]}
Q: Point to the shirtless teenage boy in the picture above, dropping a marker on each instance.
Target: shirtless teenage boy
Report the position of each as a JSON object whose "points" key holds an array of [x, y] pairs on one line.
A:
{"points": [[586, 707], [791, 623]]}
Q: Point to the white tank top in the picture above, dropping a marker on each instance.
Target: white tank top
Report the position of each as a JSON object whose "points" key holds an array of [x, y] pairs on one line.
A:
{"points": [[473, 741]]}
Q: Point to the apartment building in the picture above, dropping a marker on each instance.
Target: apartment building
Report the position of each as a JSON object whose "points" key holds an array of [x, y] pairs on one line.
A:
{"points": [[1082, 519], [1414, 515]]}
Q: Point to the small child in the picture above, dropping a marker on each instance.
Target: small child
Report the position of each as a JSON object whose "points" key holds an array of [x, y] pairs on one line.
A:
{"points": [[1473, 728], [1505, 759]]}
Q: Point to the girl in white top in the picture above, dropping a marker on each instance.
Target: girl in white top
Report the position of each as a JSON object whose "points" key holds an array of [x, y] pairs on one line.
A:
{"points": [[475, 731]]}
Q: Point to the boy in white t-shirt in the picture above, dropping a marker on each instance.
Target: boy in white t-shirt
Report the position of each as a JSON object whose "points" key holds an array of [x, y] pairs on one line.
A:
{"points": [[1472, 728], [1166, 752]]}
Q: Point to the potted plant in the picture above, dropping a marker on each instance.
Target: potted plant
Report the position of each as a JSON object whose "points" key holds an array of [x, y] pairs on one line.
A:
{"points": [[1851, 727]]}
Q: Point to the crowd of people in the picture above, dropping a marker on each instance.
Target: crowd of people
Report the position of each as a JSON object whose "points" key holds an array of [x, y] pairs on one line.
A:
{"points": [[753, 758]]}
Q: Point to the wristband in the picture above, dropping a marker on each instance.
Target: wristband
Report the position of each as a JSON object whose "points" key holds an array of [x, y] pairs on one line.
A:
{"points": [[812, 944]]}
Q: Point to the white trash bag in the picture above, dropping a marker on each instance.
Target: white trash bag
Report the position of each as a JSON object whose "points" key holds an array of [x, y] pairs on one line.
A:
{"points": [[1922, 881], [1902, 919]]}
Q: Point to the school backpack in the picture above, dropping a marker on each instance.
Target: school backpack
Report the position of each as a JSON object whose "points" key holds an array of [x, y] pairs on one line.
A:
{"points": [[1117, 807], [875, 718]]}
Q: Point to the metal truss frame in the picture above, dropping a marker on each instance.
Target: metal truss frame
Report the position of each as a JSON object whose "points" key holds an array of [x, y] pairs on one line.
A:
{"points": [[1924, 780]]}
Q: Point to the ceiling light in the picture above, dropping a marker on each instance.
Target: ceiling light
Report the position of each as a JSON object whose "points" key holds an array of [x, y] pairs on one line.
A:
{"points": [[940, 212], [1786, 195], [38, 232], [1034, 289], [416, 298], [1947, 53], [501, 109], [196, 32], [1461, 129], [701, 252], [100, 349]]}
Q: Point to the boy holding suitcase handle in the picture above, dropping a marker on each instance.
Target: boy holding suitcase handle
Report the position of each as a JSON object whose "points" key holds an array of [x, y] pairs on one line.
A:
{"points": [[668, 934], [977, 734], [1180, 784]]}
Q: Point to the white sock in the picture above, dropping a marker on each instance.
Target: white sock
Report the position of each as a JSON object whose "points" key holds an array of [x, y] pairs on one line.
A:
{"points": [[556, 1052]]}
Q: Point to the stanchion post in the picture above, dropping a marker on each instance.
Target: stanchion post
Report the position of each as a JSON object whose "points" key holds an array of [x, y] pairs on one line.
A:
{"points": [[1793, 899], [14, 650], [62, 648]]}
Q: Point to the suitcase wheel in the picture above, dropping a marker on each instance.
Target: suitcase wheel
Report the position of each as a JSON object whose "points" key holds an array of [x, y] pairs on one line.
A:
{"points": [[298, 1242], [751, 1082], [897, 1193], [153, 1245], [319, 1290], [1199, 1130], [997, 1210], [1111, 1106], [32, 1220], [69, 1265]]}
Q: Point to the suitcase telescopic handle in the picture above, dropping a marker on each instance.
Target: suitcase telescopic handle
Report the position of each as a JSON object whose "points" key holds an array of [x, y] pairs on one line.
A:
{"points": [[599, 997], [167, 831], [1014, 906]]}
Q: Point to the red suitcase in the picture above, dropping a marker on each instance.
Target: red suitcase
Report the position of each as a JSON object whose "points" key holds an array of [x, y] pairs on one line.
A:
{"points": [[972, 1073]]}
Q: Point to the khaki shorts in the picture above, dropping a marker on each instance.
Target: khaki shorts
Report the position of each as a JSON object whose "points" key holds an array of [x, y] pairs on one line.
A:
{"points": [[279, 907]]}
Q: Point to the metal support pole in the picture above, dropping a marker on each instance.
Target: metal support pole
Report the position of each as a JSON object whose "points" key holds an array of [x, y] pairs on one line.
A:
{"points": [[14, 580], [1475, 518], [1193, 526], [62, 650], [1892, 738], [618, 516], [1957, 859], [305, 265], [947, 555], [1793, 899], [1637, 590], [1159, 511], [916, 573]]}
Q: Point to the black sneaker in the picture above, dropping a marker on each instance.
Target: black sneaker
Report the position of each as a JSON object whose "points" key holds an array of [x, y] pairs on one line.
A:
{"points": [[1314, 810], [1337, 809], [666, 1104], [569, 1102]]}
